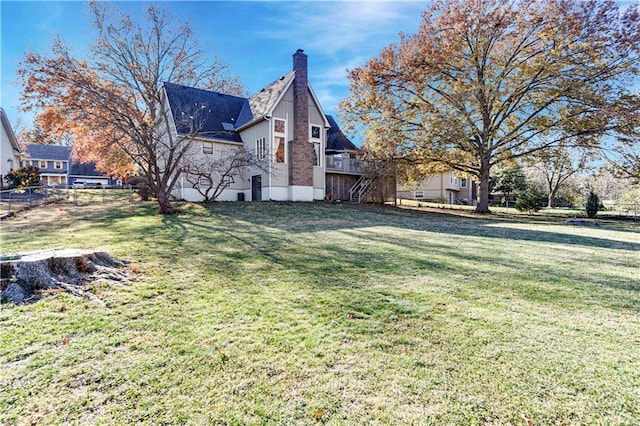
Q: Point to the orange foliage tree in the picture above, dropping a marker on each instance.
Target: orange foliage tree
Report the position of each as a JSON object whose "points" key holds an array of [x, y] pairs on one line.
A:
{"points": [[112, 102], [489, 81]]}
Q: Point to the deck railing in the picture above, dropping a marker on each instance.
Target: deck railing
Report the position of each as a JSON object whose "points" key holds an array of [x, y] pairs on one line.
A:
{"points": [[345, 165]]}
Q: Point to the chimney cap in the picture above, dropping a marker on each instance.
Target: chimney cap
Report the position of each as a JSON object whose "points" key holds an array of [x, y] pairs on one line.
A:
{"points": [[299, 51]]}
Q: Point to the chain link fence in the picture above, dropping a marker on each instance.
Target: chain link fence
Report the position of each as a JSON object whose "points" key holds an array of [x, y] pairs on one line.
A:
{"points": [[13, 201]]}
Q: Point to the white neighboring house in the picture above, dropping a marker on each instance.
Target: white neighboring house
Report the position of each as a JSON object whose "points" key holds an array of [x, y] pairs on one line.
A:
{"points": [[446, 186], [9, 149], [283, 124]]}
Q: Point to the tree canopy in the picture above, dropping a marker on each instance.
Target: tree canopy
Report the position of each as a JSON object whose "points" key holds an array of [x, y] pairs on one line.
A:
{"points": [[111, 102], [488, 81]]}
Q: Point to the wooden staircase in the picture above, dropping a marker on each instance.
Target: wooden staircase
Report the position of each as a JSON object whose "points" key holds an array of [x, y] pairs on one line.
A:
{"points": [[359, 189]]}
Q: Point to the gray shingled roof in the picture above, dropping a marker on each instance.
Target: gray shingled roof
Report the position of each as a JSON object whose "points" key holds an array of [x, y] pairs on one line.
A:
{"points": [[84, 169], [49, 152], [336, 140], [220, 108], [261, 103]]}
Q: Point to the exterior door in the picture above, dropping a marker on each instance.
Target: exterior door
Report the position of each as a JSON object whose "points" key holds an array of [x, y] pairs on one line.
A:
{"points": [[256, 188]]}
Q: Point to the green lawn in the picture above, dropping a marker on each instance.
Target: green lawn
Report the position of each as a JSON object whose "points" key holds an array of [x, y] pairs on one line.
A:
{"points": [[267, 313]]}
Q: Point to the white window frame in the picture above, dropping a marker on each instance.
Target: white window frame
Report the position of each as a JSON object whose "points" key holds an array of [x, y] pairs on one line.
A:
{"points": [[418, 195], [277, 135], [261, 148], [57, 165], [317, 143], [207, 147], [40, 164], [463, 182]]}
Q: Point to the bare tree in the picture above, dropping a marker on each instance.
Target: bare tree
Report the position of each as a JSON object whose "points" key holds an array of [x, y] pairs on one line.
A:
{"points": [[112, 102], [211, 174]]}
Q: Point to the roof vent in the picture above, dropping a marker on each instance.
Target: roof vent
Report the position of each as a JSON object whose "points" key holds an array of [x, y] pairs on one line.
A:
{"points": [[228, 126]]}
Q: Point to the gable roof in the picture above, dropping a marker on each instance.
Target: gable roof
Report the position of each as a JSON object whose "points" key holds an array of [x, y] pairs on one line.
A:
{"points": [[84, 169], [49, 152], [262, 104], [9, 130], [221, 109], [336, 140]]}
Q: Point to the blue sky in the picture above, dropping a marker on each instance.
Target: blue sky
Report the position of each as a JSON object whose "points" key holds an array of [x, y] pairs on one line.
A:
{"points": [[257, 39]]}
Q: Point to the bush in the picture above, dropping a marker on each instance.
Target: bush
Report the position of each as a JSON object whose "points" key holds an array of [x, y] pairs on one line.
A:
{"points": [[592, 205], [139, 183], [23, 177], [530, 201]]}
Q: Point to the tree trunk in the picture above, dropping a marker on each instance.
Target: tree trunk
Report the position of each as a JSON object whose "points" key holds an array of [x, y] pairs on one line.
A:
{"points": [[483, 202], [164, 203]]}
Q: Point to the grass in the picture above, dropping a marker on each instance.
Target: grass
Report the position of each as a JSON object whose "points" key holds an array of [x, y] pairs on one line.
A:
{"points": [[268, 313]]}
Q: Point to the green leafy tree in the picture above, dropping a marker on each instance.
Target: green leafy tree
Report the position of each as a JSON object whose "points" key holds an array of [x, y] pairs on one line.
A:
{"points": [[487, 82], [509, 180], [23, 177], [529, 201]]}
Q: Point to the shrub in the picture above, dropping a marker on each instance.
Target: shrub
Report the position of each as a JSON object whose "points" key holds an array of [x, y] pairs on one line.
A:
{"points": [[23, 177], [139, 183], [530, 201], [592, 205]]}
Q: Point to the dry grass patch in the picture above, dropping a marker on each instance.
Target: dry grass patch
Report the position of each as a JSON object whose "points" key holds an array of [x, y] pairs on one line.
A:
{"points": [[269, 313]]}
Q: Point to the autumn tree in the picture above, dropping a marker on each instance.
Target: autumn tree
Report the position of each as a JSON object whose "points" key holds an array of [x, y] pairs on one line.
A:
{"points": [[624, 155], [489, 81], [111, 102]]}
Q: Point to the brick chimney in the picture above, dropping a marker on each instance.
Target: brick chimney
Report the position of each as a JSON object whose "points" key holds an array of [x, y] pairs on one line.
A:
{"points": [[301, 151]]}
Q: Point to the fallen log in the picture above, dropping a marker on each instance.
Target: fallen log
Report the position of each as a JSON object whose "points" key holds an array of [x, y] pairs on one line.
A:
{"points": [[25, 275]]}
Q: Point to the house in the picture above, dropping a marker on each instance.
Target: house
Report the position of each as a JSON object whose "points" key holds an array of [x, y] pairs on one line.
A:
{"points": [[9, 149], [283, 124], [86, 174], [57, 168], [52, 160], [445, 187]]}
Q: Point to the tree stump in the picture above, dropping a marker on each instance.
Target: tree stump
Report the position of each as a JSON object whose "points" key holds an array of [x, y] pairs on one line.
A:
{"points": [[24, 275]]}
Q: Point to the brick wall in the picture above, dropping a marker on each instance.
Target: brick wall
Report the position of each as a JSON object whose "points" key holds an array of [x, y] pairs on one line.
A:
{"points": [[300, 150]]}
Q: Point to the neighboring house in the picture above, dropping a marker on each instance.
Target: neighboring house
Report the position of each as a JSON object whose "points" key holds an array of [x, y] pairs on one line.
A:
{"points": [[52, 160], [57, 167], [9, 149], [86, 173], [445, 186], [283, 124]]}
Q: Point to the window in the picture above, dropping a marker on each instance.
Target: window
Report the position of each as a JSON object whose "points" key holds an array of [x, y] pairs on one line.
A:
{"points": [[315, 132], [279, 142], [207, 147], [204, 182], [278, 125], [279, 135], [43, 164], [463, 182], [57, 164], [316, 154], [261, 148], [418, 194]]}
